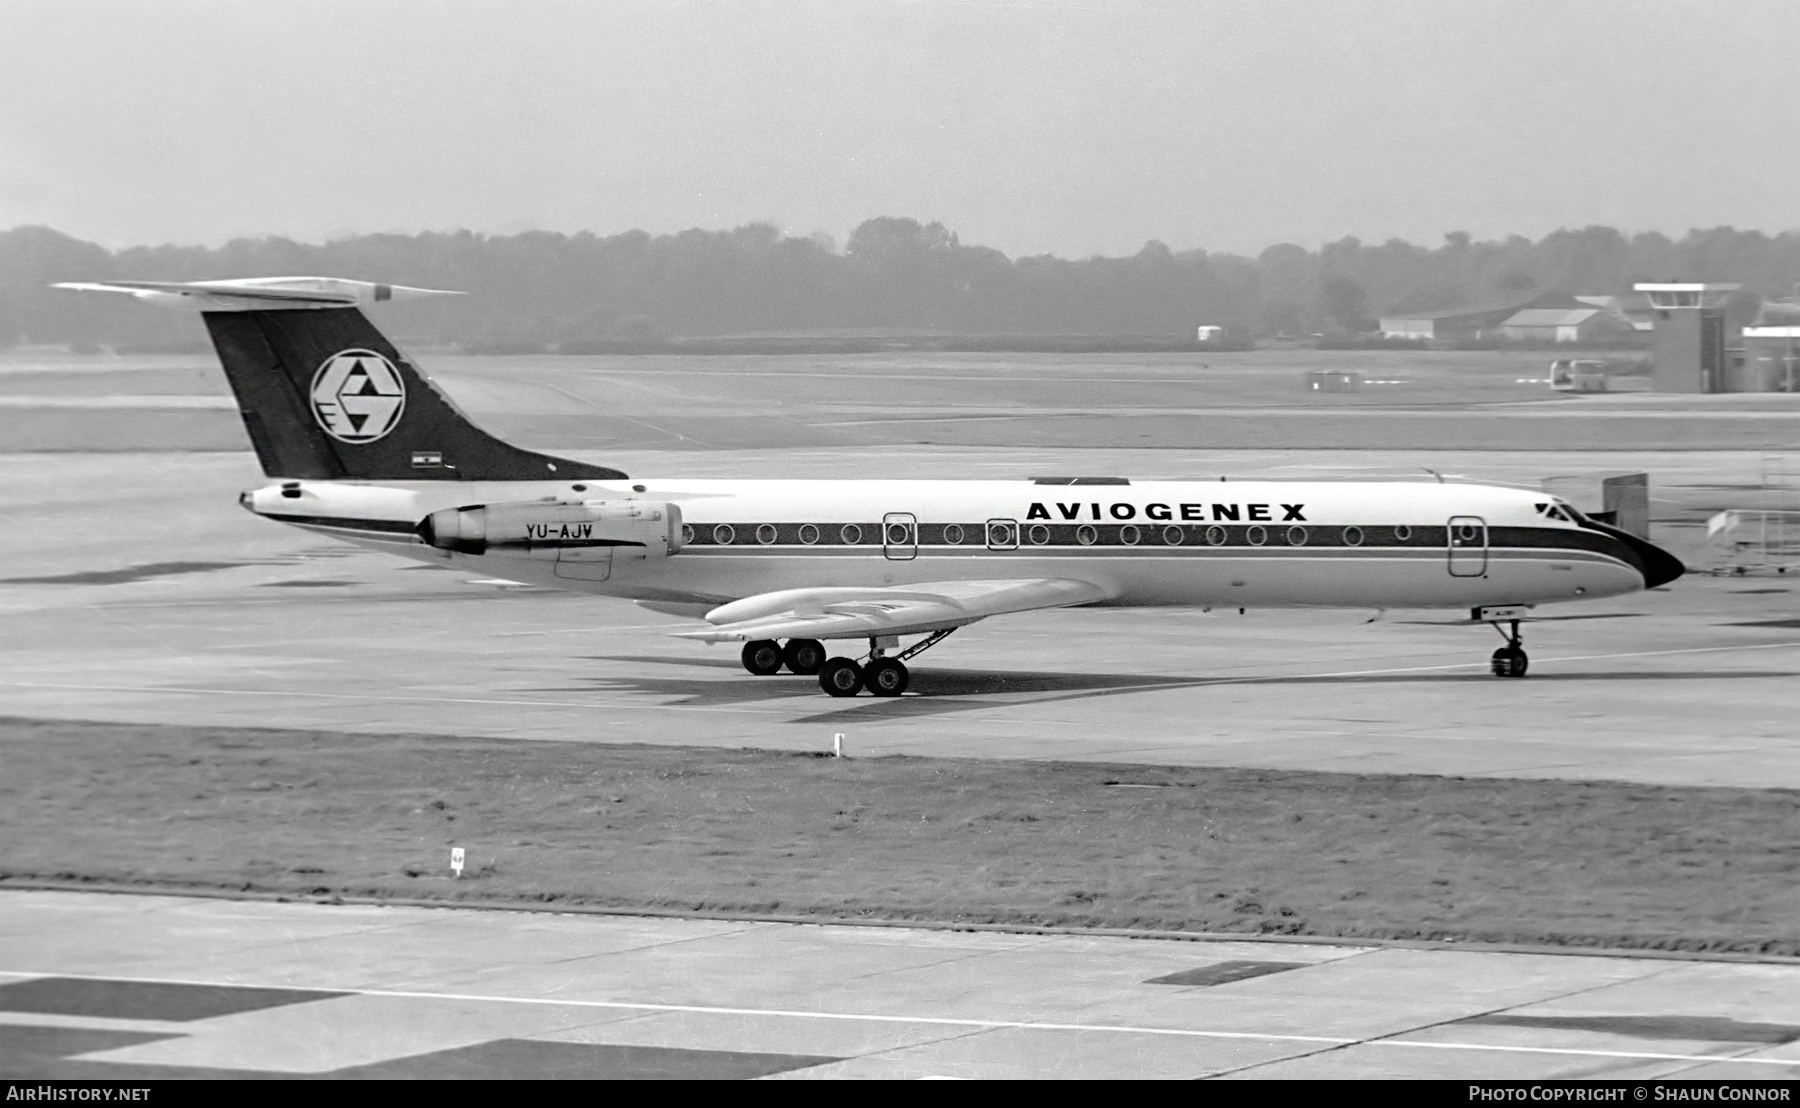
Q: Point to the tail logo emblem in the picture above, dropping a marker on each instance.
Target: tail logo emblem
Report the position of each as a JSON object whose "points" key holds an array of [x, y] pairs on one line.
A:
{"points": [[357, 396]]}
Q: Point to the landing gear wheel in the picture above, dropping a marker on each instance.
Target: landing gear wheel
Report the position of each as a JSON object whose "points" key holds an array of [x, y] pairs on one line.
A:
{"points": [[762, 657], [841, 677], [1510, 661], [886, 677], [803, 656]]}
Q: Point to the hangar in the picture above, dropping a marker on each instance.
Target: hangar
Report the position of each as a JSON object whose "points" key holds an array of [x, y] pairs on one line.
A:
{"points": [[1559, 325], [1460, 325]]}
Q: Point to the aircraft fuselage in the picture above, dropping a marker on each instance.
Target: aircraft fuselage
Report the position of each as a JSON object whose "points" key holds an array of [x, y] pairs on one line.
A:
{"points": [[1206, 543]]}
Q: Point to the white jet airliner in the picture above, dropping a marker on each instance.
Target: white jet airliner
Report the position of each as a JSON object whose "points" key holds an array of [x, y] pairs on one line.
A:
{"points": [[364, 447]]}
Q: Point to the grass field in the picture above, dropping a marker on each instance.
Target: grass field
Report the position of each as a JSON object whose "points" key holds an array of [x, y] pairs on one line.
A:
{"points": [[638, 827]]}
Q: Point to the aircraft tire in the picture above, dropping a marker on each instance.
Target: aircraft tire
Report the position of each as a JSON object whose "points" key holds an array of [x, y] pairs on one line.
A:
{"points": [[841, 677], [803, 656], [1510, 661], [886, 677], [762, 657]]}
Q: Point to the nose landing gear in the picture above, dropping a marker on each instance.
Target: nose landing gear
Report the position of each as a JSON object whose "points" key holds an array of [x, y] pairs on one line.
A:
{"points": [[1510, 660]]}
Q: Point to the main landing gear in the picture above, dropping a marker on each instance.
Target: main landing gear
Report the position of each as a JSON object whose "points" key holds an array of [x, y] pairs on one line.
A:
{"points": [[880, 673], [1510, 660], [766, 656]]}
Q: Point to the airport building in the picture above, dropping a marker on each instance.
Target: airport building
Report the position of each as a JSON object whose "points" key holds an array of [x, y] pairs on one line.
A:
{"points": [[1549, 317], [1771, 361], [1632, 312], [1461, 325], [1561, 325], [1689, 343]]}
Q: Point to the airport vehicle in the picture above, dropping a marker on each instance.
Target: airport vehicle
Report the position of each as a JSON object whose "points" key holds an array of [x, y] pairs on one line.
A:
{"points": [[362, 446], [1578, 375]]}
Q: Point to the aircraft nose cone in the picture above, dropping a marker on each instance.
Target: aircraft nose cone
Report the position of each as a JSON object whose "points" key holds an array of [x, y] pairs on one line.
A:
{"points": [[1658, 566]]}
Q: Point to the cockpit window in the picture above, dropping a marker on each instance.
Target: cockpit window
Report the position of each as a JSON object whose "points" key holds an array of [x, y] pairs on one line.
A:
{"points": [[1557, 510]]}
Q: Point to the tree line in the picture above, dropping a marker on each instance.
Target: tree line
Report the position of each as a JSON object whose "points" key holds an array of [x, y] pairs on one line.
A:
{"points": [[542, 289]]}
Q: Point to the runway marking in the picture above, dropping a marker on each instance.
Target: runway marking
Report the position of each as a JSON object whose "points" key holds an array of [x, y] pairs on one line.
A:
{"points": [[952, 1021], [963, 415], [1173, 682]]}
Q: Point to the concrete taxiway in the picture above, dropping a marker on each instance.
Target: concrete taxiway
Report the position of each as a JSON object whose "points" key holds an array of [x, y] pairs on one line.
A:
{"points": [[129, 987], [132, 590]]}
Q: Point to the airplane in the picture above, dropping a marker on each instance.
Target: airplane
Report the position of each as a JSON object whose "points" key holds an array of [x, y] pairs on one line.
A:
{"points": [[362, 445]]}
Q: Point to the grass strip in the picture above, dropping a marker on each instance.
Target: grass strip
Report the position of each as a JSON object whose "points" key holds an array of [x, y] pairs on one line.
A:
{"points": [[313, 813]]}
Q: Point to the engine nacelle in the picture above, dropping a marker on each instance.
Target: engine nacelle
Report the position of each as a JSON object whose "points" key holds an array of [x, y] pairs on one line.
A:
{"points": [[559, 530]]}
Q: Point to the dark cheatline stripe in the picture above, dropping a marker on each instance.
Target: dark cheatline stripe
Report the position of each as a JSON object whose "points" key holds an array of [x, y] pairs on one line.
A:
{"points": [[1148, 534]]}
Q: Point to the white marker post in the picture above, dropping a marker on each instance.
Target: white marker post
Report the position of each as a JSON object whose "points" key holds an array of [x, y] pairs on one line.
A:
{"points": [[837, 745], [456, 860]]}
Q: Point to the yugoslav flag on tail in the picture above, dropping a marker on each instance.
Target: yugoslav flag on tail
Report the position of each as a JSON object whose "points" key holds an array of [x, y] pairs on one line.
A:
{"points": [[325, 395]]}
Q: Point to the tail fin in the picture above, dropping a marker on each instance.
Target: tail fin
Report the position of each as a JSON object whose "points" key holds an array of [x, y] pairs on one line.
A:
{"points": [[326, 395]]}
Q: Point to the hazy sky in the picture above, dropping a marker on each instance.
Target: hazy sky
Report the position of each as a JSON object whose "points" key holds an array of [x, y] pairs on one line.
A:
{"points": [[1027, 125]]}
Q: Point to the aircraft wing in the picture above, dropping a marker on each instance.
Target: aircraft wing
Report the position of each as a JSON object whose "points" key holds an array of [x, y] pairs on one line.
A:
{"points": [[853, 613]]}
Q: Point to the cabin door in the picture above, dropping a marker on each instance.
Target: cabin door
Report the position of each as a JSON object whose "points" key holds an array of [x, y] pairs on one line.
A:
{"points": [[1468, 541], [899, 536]]}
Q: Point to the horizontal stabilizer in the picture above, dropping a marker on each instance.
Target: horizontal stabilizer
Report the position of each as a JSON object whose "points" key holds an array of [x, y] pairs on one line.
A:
{"points": [[851, 613], [258, 293]]}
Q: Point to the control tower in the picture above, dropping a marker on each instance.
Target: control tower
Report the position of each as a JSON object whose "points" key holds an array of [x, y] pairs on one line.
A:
{"points": [[1690, 336]]}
